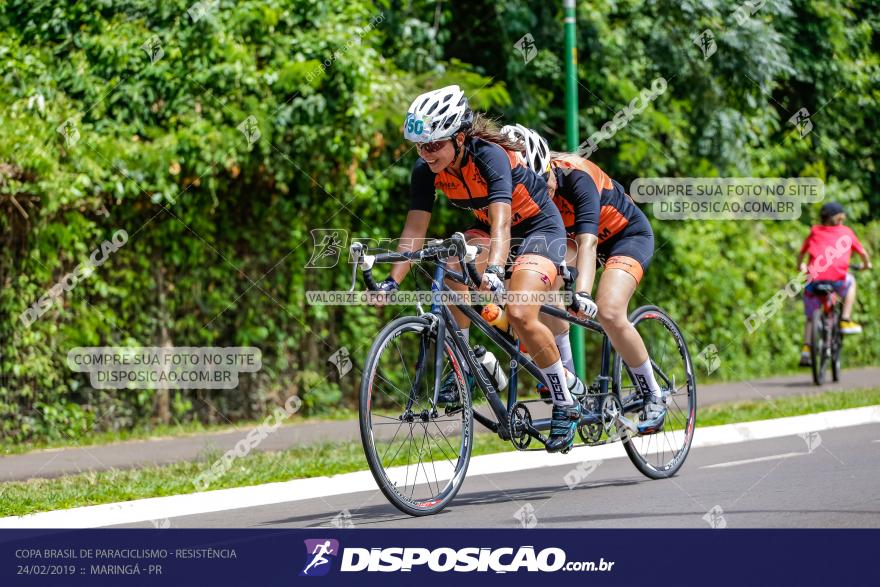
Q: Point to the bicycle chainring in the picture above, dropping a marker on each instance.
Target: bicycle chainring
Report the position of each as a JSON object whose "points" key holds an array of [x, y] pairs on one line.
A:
{"points": [[519, 418]]}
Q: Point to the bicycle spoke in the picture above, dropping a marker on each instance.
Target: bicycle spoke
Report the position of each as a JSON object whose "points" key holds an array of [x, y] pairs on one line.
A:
{"points": [[390, 444], [452, 448]]}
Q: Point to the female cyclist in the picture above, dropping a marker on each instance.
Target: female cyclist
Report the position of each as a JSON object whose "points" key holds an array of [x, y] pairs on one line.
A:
{"points": [[602, 222], [480, 169]]}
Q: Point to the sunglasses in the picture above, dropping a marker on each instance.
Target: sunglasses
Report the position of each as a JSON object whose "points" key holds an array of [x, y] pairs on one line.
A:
{"points": [[432, 147]]}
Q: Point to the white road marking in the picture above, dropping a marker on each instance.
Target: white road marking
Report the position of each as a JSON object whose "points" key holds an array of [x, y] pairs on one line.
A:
{"points": [[755, 460], [172, 506]]}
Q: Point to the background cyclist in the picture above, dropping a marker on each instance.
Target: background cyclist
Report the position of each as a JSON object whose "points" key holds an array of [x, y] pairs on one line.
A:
{"points": [[823, 238]]}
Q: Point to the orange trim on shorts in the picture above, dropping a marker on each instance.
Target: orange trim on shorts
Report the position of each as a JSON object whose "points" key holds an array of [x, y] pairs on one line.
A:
{"points": [[537, 263], [627, 264]]}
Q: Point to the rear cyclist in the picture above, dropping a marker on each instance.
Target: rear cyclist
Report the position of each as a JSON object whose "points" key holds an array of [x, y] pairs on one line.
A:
{"points": [[480, 169], [828, 248], [602, 222]]}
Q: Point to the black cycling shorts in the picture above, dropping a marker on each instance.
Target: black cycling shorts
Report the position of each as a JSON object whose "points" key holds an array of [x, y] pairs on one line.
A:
{"points": [[546, 239], [636, 241]]}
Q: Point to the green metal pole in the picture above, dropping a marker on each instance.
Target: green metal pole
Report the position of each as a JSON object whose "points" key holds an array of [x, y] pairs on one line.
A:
{"points": [[572, 141]]}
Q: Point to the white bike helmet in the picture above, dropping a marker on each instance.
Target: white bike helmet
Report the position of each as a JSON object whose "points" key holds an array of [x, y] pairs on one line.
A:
{"points": [[436, 115], [536, 151]]}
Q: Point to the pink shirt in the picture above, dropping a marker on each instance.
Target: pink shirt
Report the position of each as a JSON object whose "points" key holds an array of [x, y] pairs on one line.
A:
{"points": [[830, 248]]}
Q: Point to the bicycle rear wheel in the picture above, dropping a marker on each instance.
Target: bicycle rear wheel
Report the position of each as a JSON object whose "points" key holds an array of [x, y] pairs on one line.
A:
{"points": [[662, 454], [819, 346], [836, 344], [418, 453]]}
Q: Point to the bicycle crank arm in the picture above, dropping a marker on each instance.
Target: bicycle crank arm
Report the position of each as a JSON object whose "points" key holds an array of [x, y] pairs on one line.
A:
{"points": [[544, 423], [536, 434]]}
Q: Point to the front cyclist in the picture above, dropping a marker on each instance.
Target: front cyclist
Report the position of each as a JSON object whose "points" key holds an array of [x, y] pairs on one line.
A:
{"points": [[601, 222], [478, 168]]}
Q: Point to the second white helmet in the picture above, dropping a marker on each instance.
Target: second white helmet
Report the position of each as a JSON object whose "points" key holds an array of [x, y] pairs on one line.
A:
{"points": [[436, 115], [536, 151]]}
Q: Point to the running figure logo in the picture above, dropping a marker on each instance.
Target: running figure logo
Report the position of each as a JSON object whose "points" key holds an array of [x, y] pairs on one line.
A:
{"points": [[317, 553]]}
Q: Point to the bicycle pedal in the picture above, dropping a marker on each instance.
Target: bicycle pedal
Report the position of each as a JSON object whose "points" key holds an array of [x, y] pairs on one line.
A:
{"points": [[623, 422]]}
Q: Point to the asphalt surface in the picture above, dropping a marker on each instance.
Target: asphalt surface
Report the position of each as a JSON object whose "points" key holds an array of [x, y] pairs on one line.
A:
{"points": [[57, 462], [836, 485]]}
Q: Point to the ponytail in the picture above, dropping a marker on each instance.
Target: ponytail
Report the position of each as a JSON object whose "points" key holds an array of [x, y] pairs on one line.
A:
{"points": [[487, 129]]}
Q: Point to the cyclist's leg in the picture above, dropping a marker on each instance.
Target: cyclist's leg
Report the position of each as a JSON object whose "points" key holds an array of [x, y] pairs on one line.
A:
{"points": [[533, 273], [628, 256], [534, 270], [616, 287], [560, 328], [847, 291], [849, 297]]}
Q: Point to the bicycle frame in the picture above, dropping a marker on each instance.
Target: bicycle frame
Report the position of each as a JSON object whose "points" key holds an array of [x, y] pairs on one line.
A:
{"points": [[511, 347]]}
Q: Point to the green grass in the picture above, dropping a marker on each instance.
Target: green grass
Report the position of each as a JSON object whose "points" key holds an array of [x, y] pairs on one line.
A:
{"points": [[93, 438], [782, 407], [22, 497]]}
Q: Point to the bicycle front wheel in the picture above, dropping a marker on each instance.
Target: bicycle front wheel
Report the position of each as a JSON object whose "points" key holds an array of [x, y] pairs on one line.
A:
{"points": [[662, 454], [418, 452]]}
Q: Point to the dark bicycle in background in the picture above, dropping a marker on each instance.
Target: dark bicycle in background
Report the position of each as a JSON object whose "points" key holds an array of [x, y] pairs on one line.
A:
{"points": [[418, 451], [826, 336]]}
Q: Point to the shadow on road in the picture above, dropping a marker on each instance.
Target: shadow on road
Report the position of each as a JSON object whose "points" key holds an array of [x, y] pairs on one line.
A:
{"points": [[385, 512]]}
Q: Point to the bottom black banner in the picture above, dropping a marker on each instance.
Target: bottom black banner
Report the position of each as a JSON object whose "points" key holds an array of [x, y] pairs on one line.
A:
{"points": [[389, 557]]}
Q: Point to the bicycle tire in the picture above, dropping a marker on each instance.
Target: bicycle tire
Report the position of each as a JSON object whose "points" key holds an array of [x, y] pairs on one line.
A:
{"points": [[666, 470], [817, 346], [836, 345], [384, 476]]}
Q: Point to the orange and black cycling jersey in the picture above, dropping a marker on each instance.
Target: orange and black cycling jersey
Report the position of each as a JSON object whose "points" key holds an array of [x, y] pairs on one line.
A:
{"points": [[590, 201], [490, 174]]}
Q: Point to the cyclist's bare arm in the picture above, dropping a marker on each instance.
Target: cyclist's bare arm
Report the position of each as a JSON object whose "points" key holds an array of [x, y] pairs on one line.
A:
{"points": [[499, 221], [586, 261], [866, 260], [802, 267], [411, 239]]}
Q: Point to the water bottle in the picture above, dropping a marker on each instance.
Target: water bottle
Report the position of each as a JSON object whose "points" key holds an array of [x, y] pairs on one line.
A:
{"points": [[576, 387], [494, 315], [492, 366]]}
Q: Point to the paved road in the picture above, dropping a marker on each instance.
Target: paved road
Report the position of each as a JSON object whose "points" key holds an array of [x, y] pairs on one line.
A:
{"points": [[53, 463], [837, 485]]}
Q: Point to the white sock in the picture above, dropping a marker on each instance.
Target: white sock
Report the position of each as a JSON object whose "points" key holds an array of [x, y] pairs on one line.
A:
{"points": [[554, 377], [644, 375], [564, 346]]}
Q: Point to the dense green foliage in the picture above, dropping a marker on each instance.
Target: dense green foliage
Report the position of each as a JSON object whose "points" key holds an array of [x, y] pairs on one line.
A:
{"points": [[219, 226]]}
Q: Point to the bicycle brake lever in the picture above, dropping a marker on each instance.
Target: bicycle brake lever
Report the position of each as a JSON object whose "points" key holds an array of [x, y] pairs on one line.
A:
{"points": [[355, 250], [467, 255]]}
